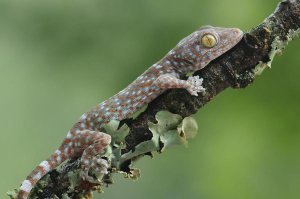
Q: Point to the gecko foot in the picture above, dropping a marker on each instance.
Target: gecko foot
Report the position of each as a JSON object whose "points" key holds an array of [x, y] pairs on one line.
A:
{"points": [[195, 85], [98, 165], [95, 144]]}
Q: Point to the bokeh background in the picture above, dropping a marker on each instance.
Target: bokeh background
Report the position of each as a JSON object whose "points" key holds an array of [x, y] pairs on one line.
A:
{"points": [[59, 58]]}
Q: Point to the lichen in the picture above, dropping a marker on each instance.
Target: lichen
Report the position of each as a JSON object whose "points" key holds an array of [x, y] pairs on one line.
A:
{"points": [[276, 49], [12, 194], [113, 152], [65, 196], [134, 174], [170, 130], [74, 179], [117, 134]]}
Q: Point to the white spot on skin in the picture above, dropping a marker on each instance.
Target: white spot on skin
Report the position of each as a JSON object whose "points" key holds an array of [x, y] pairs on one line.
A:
{"points": [[82, 125], [69, 135], [26, 186], [58, 159], [57, 152], [45, 165], [77, 132], [124, 113], [66, 151], [37, 176], [83, 117], [171, 52], [135, 104], [138, 97], [87, 139], [158, 66], [119, 108]]}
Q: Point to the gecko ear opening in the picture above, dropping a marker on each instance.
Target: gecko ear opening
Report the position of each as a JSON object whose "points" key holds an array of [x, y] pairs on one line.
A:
{"points": [[209, 40]]}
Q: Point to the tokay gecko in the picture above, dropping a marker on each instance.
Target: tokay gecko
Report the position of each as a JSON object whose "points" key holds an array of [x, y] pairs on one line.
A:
{"points": [[85, 140]]}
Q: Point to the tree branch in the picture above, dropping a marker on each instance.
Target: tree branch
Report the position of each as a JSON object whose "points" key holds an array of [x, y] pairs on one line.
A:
{"points": [[237, 69]]}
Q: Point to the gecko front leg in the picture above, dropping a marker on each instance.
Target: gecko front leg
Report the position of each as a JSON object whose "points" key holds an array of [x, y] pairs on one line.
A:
{"points": [[193, 84]]}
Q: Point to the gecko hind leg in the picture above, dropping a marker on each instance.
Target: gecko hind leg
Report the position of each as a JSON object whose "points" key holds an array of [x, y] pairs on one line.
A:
{"points": [[92, 143]]}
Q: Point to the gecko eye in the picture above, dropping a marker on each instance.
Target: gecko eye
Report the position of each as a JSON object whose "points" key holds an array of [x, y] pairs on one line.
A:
{"points": [[209, 40]]}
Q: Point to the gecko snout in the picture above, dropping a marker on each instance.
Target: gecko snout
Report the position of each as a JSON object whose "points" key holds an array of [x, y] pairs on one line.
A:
{"points": [[238, 33]]}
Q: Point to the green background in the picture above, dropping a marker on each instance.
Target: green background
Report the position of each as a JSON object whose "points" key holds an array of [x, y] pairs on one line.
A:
{"points": [[59, 58]]}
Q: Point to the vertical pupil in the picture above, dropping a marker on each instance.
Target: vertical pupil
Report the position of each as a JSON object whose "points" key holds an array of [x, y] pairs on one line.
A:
{"points": [[208, 40]]}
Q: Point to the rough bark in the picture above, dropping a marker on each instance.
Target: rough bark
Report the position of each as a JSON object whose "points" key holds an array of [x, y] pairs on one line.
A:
{"points": [[234, 69]]}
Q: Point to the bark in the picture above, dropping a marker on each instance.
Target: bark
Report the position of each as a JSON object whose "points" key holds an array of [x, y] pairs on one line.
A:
{"points": [[235, 69]]}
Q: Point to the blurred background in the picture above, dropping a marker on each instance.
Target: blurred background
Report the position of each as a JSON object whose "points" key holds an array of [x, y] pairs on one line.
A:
{"points": [[60, 58]]}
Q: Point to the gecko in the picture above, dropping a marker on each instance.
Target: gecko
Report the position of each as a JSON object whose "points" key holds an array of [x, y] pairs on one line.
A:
{"points": [[85, 139]]}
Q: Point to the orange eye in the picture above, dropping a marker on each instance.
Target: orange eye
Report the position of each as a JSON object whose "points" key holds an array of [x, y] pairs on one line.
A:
{"points": [[209, 40]]}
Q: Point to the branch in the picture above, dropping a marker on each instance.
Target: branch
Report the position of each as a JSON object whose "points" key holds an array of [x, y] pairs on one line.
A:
{"points": [[237, 69]]}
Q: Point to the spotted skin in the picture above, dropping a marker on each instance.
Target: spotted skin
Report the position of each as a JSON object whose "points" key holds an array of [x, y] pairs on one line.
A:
{"points": [[85, 139]]}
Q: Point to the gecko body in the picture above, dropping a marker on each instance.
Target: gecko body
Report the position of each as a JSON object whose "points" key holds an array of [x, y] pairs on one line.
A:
{"points": [[85, 139]]}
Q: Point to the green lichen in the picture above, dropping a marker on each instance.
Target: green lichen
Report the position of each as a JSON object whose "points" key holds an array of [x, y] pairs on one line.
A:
{"points": [[189, 127], [113, 152], [276, 49], [170, 130], [117, 134], [134, 174], [65, 196], [12, 194], [74, 179]]}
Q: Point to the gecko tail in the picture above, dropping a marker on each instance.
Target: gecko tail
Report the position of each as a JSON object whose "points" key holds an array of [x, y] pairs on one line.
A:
{"points": [[41, 170]]}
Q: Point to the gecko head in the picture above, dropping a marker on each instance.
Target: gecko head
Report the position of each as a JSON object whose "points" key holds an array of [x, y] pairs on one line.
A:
{"points": [[204, 45]]}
